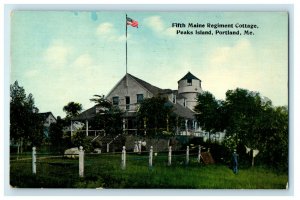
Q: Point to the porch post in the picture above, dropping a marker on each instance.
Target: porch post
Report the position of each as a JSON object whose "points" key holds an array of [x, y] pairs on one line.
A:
{"points": [[167, 122], [145, 125], [124, 125], [87, 127], [186, 127], [177, 129], [71, 128]]}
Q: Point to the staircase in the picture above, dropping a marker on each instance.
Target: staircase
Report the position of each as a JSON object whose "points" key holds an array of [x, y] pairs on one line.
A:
{"points": [[110, 143]]}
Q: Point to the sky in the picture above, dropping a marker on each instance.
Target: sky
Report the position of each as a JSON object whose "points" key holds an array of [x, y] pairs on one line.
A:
{"points": [[64, 56]]}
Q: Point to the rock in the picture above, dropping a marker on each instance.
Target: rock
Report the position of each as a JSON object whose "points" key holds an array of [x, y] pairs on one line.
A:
{"points": [[97, 150], [70, 151]]}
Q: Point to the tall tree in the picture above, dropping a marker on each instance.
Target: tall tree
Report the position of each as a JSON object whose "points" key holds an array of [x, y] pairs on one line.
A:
{"points": [[100, 100], [272, 136], [108, 117], [209, 113], [244, 109], [25, 123], [72, 109], [249, 120], [156, 112], [58, 138]]}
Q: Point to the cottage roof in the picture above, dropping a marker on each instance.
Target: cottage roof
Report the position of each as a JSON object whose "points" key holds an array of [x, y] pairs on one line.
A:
{"points": [[189, 75], [178, 109], [183, 111], [151, 88], [166, 91], [45, 115], [87, 114]]}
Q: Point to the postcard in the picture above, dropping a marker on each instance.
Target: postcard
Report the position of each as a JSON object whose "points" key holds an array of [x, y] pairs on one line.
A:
{"points": [[149, 100]]}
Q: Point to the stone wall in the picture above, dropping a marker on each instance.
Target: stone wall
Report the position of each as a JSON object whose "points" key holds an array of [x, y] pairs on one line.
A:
{"points": [[158, 144]]}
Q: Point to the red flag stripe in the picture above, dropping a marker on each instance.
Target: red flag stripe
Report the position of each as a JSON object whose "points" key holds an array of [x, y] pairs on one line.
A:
{"points": [[132, 23]]}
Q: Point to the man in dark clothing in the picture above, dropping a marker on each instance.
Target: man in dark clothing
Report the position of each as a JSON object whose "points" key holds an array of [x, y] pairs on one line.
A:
{"points": [[235, 162]]}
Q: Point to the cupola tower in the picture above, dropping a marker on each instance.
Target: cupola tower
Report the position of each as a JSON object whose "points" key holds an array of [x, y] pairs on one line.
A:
{"points": [[189, 87]]}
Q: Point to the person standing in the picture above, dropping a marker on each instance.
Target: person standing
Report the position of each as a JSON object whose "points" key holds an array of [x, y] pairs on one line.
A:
{"points": [[235, 161]]}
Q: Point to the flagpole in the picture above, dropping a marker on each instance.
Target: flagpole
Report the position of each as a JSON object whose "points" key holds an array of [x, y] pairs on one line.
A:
{"points": [[126, 43]]}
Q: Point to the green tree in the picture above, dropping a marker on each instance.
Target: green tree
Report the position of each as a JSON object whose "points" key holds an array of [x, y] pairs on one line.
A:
{"points": [[26, 126], [100, 100], [243, 111], [72, 109], [209, 113], [157, 113], [108, 117], [58, 138], [272, 137], [254, 122], [249, 120]]}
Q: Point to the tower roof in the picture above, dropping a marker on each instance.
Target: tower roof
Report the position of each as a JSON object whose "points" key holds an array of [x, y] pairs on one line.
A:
{"points": [[189, 75]]}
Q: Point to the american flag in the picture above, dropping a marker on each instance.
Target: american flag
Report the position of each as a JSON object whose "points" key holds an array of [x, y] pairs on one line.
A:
{"points": [[132, 22]]}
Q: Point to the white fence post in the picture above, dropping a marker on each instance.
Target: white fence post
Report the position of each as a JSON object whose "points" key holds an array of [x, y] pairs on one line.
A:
{"points": [[123, 158], [107, 147], [170, 156], [81, 162], [199, 154], [187, 155], [151, 156], [33, 160], [140, 146]]}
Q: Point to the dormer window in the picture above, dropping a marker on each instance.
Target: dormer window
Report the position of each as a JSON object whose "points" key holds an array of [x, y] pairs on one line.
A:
{"points": [[189, 82]]}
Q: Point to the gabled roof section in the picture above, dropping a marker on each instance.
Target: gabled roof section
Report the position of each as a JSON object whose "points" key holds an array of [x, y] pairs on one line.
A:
{"points": [[183, 111], [45, 115], [189, 75], [124, 77], [166, 91], [86, 115], [151, 88]]}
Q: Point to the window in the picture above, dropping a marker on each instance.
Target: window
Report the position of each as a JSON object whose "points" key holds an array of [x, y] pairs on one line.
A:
{"points": [[139, 98], [115, 101], [174, 98], [127, 102], [189, 81]]}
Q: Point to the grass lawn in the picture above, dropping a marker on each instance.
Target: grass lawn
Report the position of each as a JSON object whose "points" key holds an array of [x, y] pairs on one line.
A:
{"points": [[104, 171]]}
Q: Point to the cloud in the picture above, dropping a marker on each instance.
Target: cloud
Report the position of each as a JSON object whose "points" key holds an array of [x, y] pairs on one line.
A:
{"points": [[107, 31], [32, 73], [56, 55], [233, 66], [171, 31], [238, 55], [156, 24], [240, 65], [83, 61]]}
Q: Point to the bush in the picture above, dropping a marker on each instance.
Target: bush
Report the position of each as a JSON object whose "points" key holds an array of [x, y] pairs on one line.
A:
{"points": [[80, 139]]}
